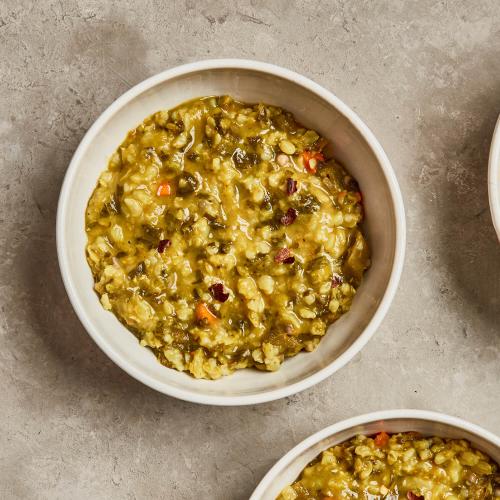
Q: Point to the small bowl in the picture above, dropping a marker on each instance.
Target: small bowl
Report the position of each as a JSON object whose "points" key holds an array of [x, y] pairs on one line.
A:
{"points": [[494, 178], [286, 470], [354, 145]]}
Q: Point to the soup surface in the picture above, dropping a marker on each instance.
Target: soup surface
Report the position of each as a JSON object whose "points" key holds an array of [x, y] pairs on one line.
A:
{"points": [[401, 466], [224, 236]]}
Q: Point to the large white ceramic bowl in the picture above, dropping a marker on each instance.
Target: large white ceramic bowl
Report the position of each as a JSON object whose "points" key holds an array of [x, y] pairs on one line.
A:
{"points": [[286, 470], [353, 144], [494, 178]]}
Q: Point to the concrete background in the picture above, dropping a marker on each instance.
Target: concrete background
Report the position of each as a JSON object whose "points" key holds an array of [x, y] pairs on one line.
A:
{"points": [[424, 75]]}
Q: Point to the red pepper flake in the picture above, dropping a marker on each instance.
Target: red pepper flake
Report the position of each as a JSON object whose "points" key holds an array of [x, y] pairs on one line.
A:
{"points": [[291, 186], [284, 256], [311, 159], [381, 439], [337, 280], [289, 217], [411, 496], [217, 291], [163, 244]]}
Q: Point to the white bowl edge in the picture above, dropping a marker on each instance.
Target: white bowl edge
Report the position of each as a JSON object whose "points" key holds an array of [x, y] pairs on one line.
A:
{"points": [[494, 178]]}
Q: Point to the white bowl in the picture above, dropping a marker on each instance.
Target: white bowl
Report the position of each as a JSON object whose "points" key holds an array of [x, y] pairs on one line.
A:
{"points": [[494, 178], [354, 145], [286, 470]]}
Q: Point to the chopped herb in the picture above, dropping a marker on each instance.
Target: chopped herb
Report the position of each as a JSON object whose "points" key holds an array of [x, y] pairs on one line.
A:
{"points": [[225, 247], [137, 271], [242, 159], [188, 183], [308, 204]]}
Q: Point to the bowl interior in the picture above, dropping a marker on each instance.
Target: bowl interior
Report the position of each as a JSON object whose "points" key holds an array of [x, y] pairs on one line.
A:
{"points": [[288, 470], [248, 85]]}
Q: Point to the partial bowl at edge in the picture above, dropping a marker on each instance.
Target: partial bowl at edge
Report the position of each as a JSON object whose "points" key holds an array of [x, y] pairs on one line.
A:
{"points": [[494, 178], [288, 468]]}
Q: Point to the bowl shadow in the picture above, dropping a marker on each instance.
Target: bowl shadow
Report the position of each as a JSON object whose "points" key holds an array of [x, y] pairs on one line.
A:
{"points": [[58, 331], [49, 311]]}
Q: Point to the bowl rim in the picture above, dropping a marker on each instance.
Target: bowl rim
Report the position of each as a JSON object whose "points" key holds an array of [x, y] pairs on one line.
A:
{"points": [[494, 178], [389, 175], [366, 418]]}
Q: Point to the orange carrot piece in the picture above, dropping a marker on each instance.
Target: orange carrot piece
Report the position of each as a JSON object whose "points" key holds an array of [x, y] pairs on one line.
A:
{"points": [[164, 189], [202, 312], [381, 439]]}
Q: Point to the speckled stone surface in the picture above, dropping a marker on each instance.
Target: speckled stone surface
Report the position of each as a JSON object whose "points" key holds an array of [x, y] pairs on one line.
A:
{"points": [[424, 75]]}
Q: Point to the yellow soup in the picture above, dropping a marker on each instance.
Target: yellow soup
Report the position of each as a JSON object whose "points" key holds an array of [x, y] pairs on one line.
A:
{"points": [[402, 466], [224, 236]]}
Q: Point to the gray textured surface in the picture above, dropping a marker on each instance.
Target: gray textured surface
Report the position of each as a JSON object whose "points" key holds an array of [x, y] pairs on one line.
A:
{"points": [[424, 75]]}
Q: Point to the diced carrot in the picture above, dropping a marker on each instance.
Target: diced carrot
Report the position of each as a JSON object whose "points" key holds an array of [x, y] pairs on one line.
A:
{"points": [[164, 189], [381, 439], [310, 159], [202, 312]]}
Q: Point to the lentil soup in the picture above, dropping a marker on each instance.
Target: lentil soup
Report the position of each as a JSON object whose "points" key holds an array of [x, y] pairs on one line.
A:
{"points": [[402, 466], [224, 236]]}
